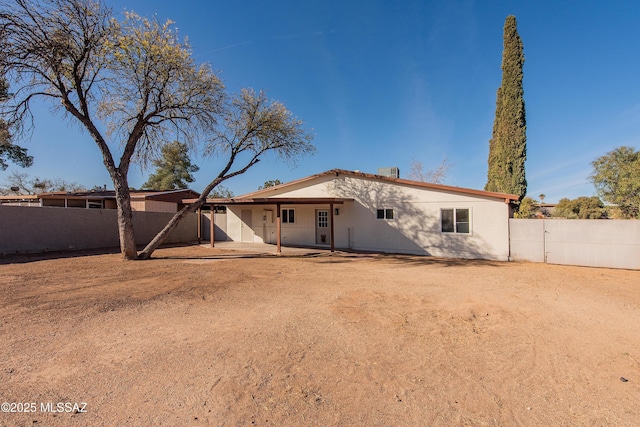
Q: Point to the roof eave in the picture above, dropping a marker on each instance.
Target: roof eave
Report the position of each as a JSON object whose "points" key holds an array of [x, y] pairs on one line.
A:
{"points": [[507, 198]]}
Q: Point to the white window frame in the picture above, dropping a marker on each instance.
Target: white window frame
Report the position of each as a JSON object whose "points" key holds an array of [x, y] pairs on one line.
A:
{"points": [[322, 218], [385, 214], [95, 204], [285, 215], [455, 221]]}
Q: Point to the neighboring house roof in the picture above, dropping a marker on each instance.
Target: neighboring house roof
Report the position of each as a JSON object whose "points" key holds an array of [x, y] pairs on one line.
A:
{"points": [[175, 196], [20, 197], [165, 196], [262, 195]]}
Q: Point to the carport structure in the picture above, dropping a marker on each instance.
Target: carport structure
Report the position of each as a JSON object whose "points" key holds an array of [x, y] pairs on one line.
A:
{"points": [[331, 202]]}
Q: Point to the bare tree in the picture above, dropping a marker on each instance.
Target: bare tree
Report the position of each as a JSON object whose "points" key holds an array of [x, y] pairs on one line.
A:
{"points": [[251, 127], [22, 183], [434, 176], [270, 183], [135, 78]]}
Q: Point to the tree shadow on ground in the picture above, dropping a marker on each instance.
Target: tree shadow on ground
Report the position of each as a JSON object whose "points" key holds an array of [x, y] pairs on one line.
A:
{"points": [[344, 256], [407, 260], [22, 258], [323, 257]]}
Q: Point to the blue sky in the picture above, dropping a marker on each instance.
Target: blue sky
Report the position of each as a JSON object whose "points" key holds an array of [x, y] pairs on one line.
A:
{"points": [[381, 83]]}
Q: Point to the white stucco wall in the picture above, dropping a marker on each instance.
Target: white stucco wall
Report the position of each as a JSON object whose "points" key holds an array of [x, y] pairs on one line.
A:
{"points": [[415, 229]]}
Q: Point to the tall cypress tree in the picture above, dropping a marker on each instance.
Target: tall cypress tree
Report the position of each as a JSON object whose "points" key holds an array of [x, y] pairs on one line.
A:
{"points": [[508, 144]]}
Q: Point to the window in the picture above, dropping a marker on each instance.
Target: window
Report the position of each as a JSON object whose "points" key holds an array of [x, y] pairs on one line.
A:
{"points": [[323, 219], [288, 216], [95, 205], [385, 214], [455, 220]]}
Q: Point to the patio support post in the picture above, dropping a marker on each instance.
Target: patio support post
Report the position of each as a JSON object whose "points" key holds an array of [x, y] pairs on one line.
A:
{"points": [[333, 247], [199, 225], [212, 228], [278, 230]]}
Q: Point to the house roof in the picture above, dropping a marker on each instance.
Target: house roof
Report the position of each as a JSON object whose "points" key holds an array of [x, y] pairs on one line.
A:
{"points": [[261, 194]]}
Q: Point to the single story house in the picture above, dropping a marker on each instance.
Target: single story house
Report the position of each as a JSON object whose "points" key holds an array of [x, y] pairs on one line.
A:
{"points": [[355, 210], [141, 200]]}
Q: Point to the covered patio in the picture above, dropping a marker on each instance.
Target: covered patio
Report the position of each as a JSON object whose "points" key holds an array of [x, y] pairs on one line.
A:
{"points": [[278, 202]]}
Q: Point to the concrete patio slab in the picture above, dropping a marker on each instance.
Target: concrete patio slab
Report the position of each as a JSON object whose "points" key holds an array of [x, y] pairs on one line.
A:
{"points": [[265, 248]]}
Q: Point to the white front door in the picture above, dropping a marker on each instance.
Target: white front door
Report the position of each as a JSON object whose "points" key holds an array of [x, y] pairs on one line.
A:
{"points": [[268, 234], [323, 235]]}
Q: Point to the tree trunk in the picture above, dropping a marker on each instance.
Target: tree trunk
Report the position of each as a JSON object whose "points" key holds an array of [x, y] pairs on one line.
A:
{"points": [[125, 218], [223, 176], [171, 225]]}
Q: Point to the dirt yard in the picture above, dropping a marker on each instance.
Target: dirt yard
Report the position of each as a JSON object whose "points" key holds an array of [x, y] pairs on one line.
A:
{"points": [[200, 336]]}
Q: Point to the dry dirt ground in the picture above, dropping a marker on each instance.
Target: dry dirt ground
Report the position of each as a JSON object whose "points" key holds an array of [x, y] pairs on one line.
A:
{"points": [[200, 336]]}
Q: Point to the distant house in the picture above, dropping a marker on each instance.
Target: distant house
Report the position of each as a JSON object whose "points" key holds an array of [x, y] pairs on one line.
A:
{"points": [[545, 209], [347, 209], [141, 200]]}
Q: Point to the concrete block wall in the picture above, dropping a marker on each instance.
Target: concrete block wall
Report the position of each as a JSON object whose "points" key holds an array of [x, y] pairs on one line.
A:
{"points": [[41, 229]]}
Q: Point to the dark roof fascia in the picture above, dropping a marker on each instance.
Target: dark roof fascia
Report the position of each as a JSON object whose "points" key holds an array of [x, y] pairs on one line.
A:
{"points": [[77, 196], [276, 200]]}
